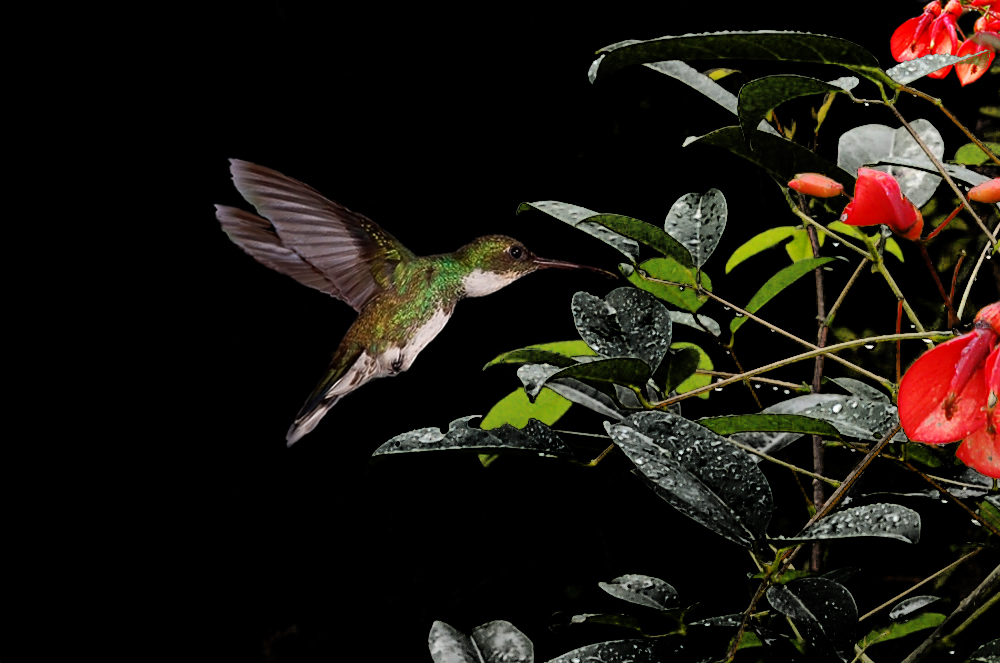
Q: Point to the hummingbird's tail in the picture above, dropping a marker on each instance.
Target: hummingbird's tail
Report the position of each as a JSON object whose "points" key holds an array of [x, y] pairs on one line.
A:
{"points": [[306, 421]]}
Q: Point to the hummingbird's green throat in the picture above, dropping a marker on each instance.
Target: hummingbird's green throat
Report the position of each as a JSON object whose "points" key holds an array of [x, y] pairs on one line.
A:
{"points": [[403, 300]]}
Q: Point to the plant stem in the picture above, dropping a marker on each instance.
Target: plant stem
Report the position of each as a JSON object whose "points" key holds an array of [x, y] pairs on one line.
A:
{"points": [[777, 383], [969, 134], [794, 468], [817, 382], [843, 293], [937, 281], [985, 588], [944, 173], [920, 584], [972, 277], [808, 221], [954, 276], [983, 608], [801, 357]]}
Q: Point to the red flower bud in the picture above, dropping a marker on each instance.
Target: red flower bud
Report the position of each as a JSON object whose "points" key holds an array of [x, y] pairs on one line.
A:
{"points": [[814, 184], [987, 192], [877, 199]]}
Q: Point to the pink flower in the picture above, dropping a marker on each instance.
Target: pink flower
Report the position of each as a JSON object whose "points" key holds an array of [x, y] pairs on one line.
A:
{"points": [[950, 394], [877, 199]]}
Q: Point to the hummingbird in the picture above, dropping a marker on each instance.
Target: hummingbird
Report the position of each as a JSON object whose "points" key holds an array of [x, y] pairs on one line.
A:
{"points": [[403, 300]]}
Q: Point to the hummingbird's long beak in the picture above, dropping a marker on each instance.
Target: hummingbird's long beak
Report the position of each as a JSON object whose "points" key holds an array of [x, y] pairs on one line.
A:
{"points": [[543, 263]]}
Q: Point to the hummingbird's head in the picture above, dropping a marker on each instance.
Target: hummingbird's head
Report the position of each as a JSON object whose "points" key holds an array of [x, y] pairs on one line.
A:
{"points": [[495, 261]]}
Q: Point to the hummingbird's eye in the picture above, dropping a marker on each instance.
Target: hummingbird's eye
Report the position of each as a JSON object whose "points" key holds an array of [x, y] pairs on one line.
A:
{"points": [[515, 252]]}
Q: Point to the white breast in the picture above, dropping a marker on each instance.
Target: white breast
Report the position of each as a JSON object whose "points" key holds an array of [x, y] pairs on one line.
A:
{"points": [[480, 283], [418, 342]]}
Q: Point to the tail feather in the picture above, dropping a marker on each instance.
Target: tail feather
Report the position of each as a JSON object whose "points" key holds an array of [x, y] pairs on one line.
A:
{"points": [[306, 422]]}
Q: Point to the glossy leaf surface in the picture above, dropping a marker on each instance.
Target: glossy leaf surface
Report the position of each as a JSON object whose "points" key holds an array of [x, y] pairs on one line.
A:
{"points": [[644, 233], [697, 221], [762, 95], [642, 590], [494, 642], [576, 216], [792, 423], [825, 613], [890, 521], [666, 269], [534, 438]]}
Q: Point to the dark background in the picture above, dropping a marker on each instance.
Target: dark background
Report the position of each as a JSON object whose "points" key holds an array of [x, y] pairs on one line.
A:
{"points": [[167, 518]]}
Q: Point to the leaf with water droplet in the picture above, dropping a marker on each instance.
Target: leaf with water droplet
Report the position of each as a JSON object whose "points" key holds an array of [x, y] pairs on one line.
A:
{"points": [[890, 521], [825, 613], [898, 630], [626, 651], [988, 653], [872, 143], [535, 438], [642, 590], [911, 70], [677, 367], [626, 323], [860, 389], [762, 95], [911, 605], [587, 396], [758, 45], [626, 371], [575, 216], [742, 423], [667, 269], [490, 643], [644, 233], [698, 473], [697, 221], [680, 318], [776, 284]]}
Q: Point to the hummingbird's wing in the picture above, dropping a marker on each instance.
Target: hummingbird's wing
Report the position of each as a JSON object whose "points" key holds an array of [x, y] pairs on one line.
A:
{"points": [[350, 368], [354, 255]]}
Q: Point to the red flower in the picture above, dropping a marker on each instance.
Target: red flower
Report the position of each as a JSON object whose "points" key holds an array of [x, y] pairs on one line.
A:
{"points": [[912, 39], [877, 199], [950, 394], [987, 192], [814, 184]]}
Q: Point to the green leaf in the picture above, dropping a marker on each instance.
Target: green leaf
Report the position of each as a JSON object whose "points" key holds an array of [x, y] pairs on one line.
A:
{"points": [[644, 233], [758, 243], [889, 521], [626, 371], [576, 216], [532, 355], [762, 95], [681, 366], [696, 381], [892, 246], [971, 155], [790, 423], [761, 45], [898, 630], [779, 157], [515, 409], [668, 269], [825, 613], [568, 348], [800, 248], [842, 228], [776, 284], [697, 221]]}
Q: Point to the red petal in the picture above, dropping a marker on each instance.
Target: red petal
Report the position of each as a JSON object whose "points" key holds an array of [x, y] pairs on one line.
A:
{"points": [[877, 199], [990, 314], [925, 387], [979, 451], [902, 41], [969, 72]]}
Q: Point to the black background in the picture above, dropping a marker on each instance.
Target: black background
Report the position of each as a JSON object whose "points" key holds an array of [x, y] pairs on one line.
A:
{"points": [[158, 513]]}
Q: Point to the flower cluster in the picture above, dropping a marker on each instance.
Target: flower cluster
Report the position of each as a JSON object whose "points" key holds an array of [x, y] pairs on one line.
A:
{"points": [[935, 31], [950, 394]]}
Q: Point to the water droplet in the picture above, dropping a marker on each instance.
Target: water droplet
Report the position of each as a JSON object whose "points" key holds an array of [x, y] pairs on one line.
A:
{"points": [[681, 288], [739, 315], [772, 331], [787, 392], [866, 103], [837, 407], [836, 244], [927, 341], [725, 308], [756, 386], [774, 388], [869, 346]]}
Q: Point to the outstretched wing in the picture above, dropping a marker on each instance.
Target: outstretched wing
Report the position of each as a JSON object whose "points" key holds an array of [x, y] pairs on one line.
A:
{"points": [[354, 257]]}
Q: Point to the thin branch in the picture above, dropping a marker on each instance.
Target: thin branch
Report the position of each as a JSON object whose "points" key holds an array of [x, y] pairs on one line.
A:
{"points": [[937, 102], [843, 293], [937, 281], [801, 357], [777, 383], [779, 330], [972, 277], [794, 468], [944, 173], [920, 584], [975, 516]]}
